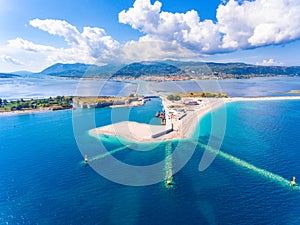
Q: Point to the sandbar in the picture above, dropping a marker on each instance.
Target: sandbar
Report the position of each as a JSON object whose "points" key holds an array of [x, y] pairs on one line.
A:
{"points": [[181, 129]]}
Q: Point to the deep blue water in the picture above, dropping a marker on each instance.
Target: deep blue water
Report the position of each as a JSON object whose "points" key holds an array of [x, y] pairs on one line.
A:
{"points": [[43, 180]]}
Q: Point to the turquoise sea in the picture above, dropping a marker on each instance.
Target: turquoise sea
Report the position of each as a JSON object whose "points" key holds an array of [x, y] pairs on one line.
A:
{"points": [[43, 179]]}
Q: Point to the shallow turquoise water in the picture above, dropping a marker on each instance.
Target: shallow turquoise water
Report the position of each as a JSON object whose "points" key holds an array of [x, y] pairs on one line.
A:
{"points": [[43, 180]]}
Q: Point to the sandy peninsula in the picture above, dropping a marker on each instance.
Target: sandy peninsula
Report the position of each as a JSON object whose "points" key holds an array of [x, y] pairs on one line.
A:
{"points": [[175, 128], [179, 125]]}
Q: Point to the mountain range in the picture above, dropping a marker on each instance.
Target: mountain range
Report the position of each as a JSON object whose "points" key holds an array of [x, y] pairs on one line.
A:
{"points": [[80, 70], [8, 75], [168, 67]]}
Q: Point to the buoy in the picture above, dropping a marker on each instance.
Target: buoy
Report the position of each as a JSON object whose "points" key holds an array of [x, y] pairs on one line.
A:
{"points": [[293, 182], [86, 160], [169, 181]]}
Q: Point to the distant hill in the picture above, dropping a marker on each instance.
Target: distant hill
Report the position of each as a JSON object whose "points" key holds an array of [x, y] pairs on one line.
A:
{"points": [[8, 75], [147, 68], [207, 68], [80, 69], [23, 73], [167, 67], [246, 69]]}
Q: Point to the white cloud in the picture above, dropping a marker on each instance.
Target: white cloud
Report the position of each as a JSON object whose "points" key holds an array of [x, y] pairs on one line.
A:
{"points": [[87, 46], [182, 28], [60, 28], [259, 23], [240, 25], [92, 45], [28, 46], [149, 50], [10, 60], [269, 62], [93, 42]]}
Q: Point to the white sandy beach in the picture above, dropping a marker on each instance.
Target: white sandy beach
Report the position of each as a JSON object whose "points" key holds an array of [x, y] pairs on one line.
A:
{"points": [[140, 132], [133, 131], [25, 112]]}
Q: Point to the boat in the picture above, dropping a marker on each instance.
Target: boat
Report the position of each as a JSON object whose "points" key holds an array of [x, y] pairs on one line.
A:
{"points": [[293, 182], [86, 160]]}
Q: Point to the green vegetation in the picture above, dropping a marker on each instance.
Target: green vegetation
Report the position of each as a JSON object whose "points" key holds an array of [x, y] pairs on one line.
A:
{"points": [[178, 96], [57, 103], [94, 99], [203, 94], [174, 97], [147, 68], [290, 92], [294, 92], [102, 101]]}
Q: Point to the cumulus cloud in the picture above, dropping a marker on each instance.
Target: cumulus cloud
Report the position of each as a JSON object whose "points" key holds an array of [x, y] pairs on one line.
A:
{"points": [[259, 23], [92, 45], [28, 46], [92, 40], [10, 60], [182, 28], [269, 62], [239, 25], [87, 46], [60, 28], [149, 50]]}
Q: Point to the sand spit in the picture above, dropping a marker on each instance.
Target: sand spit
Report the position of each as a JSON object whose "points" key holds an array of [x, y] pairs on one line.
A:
{"points": [[181, 128]]}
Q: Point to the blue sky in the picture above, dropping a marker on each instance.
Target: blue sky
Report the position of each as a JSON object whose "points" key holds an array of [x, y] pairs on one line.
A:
{"points": [[35, 34]]}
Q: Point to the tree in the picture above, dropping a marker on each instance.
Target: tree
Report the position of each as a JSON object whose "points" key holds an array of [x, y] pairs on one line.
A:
{"points": [[19, 107], [177, 98], [0, 102], [171, 97]]}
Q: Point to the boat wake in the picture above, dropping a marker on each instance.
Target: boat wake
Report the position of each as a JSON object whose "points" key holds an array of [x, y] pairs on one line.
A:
{"points": [[243, 164], [101, 156], [169, 182]]}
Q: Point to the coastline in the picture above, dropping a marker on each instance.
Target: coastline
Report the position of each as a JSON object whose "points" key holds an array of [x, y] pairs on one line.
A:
{"points": [[30, 111], [182, 129], [267, 98], [143, 133]]}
